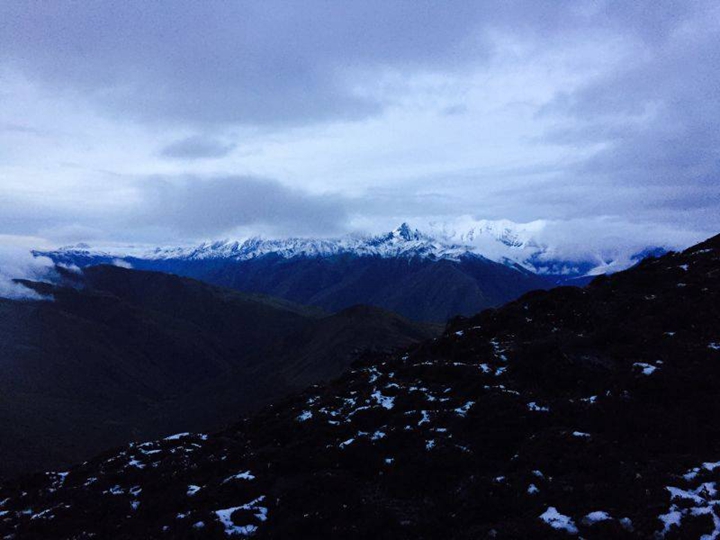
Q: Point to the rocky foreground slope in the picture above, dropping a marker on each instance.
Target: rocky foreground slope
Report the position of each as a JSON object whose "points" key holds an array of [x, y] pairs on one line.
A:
{"points": [[572, 412]]}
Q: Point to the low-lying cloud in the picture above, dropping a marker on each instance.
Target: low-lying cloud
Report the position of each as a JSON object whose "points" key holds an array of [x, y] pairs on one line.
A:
{"points": [[17, 262]]}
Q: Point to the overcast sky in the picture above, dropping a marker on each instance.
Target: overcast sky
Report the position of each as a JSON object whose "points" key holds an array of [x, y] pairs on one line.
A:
{"points": [[163, 122]]}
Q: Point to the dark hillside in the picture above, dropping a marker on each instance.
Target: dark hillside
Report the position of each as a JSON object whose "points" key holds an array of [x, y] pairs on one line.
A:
{"points": [[423, 289], [120, 354]]}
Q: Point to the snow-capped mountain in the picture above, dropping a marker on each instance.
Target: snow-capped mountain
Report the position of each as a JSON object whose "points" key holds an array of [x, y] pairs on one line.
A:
{"points": [[401, 242], [503, 241], [429, 275]]}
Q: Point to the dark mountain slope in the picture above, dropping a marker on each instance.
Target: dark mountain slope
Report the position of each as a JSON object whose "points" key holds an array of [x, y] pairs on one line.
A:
{"points": [[121, 354], [420, 288], [572, 412]]}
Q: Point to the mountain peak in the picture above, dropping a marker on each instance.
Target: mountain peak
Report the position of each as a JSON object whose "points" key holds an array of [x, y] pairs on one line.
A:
{"points": [[406, 233]]}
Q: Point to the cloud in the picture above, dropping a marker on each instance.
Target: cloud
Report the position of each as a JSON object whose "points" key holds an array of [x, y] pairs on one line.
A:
{"points": [[197, 147], [273, 63], [121, 263], [609, 236], [16, 262], [653, 119], [176, 208], [600, 239], [211, 63], [207, 206], [22, 129], [355, 113]]}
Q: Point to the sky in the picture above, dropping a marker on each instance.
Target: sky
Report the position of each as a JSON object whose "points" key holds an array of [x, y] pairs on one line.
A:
{"points": [[175, 122]]}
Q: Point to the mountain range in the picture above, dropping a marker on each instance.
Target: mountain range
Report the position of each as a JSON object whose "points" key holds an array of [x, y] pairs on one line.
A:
{"points": [[426, 277], [574, 412], [111, 355]]}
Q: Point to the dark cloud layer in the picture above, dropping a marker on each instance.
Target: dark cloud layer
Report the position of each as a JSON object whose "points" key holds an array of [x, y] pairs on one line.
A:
{"points": [[210, 206], [270, 62], [181, 208], [197, 147], [637, 137], [658, 116]]}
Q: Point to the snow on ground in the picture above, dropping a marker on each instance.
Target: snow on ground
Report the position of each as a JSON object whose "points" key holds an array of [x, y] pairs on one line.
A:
{"points": [[558, 521], [537, 408], [647, 369], [462, 411], [246, 475], [596, 517], [386, 402], [698, 497], [177, 436], [231, 529]]}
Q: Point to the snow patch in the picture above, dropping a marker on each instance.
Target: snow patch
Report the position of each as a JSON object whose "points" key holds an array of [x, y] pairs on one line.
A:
{"points": [[462, 411], [346, 443], [647, 369], [177, 436], [558, 521], [246, 475], [537, 408], [596, 517], [386, 402], [225, 518]]}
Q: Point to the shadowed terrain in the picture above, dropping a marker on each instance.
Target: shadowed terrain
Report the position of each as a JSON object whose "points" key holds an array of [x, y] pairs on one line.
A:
{"points": [[115, 355]]}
